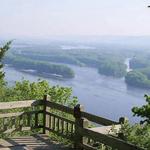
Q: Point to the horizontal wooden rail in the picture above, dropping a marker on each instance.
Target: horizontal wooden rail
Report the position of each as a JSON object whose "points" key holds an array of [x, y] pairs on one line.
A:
{"points": [[108, 140], [8, 115], [90, 117], [60, 107], [97, 119], [20, 104], [17, 114]]}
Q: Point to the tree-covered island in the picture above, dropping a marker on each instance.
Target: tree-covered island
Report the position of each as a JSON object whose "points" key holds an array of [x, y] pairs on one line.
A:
{"points": [[140, 74], [39, 67]]}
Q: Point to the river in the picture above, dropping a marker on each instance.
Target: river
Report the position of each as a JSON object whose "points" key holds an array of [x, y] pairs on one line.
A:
{"points": [[100, 95]]}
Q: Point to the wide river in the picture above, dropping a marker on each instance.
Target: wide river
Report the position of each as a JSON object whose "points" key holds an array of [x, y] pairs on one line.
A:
{"points": [[101, 95]]}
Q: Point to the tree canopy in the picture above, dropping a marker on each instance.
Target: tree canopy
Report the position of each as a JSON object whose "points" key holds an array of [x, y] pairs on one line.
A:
{"points": [[143, 111], [137, 79], [3, 50]]}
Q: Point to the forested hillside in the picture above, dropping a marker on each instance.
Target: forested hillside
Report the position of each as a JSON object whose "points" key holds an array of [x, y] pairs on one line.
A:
{"points": [[106, 64]]}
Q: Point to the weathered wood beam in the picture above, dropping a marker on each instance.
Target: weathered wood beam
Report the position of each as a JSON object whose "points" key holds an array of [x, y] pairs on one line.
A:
{"points": [[108, 140], [97, 119], [60, 107], [20, 104], [9, 115]]}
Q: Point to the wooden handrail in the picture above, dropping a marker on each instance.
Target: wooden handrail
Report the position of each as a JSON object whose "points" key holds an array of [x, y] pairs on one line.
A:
{"points": [[17, 114], [108, 140], [97, 119], [20, 104], [60, 107]]}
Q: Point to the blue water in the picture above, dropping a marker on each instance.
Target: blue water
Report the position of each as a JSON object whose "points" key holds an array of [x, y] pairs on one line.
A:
{"points": [[100, 95]]}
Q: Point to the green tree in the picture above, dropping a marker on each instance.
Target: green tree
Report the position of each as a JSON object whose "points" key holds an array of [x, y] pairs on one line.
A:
{"points": [[3, 50], [138, 79], [139, 133], [112, 68], [23, 90], [143, 111]]}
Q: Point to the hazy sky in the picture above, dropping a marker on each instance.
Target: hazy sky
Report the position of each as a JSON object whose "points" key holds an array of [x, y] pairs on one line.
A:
{"points": [[44, 18]]}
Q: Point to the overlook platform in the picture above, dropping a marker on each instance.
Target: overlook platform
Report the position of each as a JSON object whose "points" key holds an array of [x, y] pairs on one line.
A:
{"points": [[34, 142], [84, 131]]}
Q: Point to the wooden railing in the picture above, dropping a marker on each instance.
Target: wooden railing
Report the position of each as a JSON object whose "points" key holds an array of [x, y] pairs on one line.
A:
{"points": [[69, 123]]}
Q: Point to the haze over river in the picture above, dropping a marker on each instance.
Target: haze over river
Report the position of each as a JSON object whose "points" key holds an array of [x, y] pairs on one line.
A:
{"points": [[100, 95]]}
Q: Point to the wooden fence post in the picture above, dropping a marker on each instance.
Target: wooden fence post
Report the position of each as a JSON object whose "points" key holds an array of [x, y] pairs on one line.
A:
{"points": [[45, 117], [79, 123]]}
